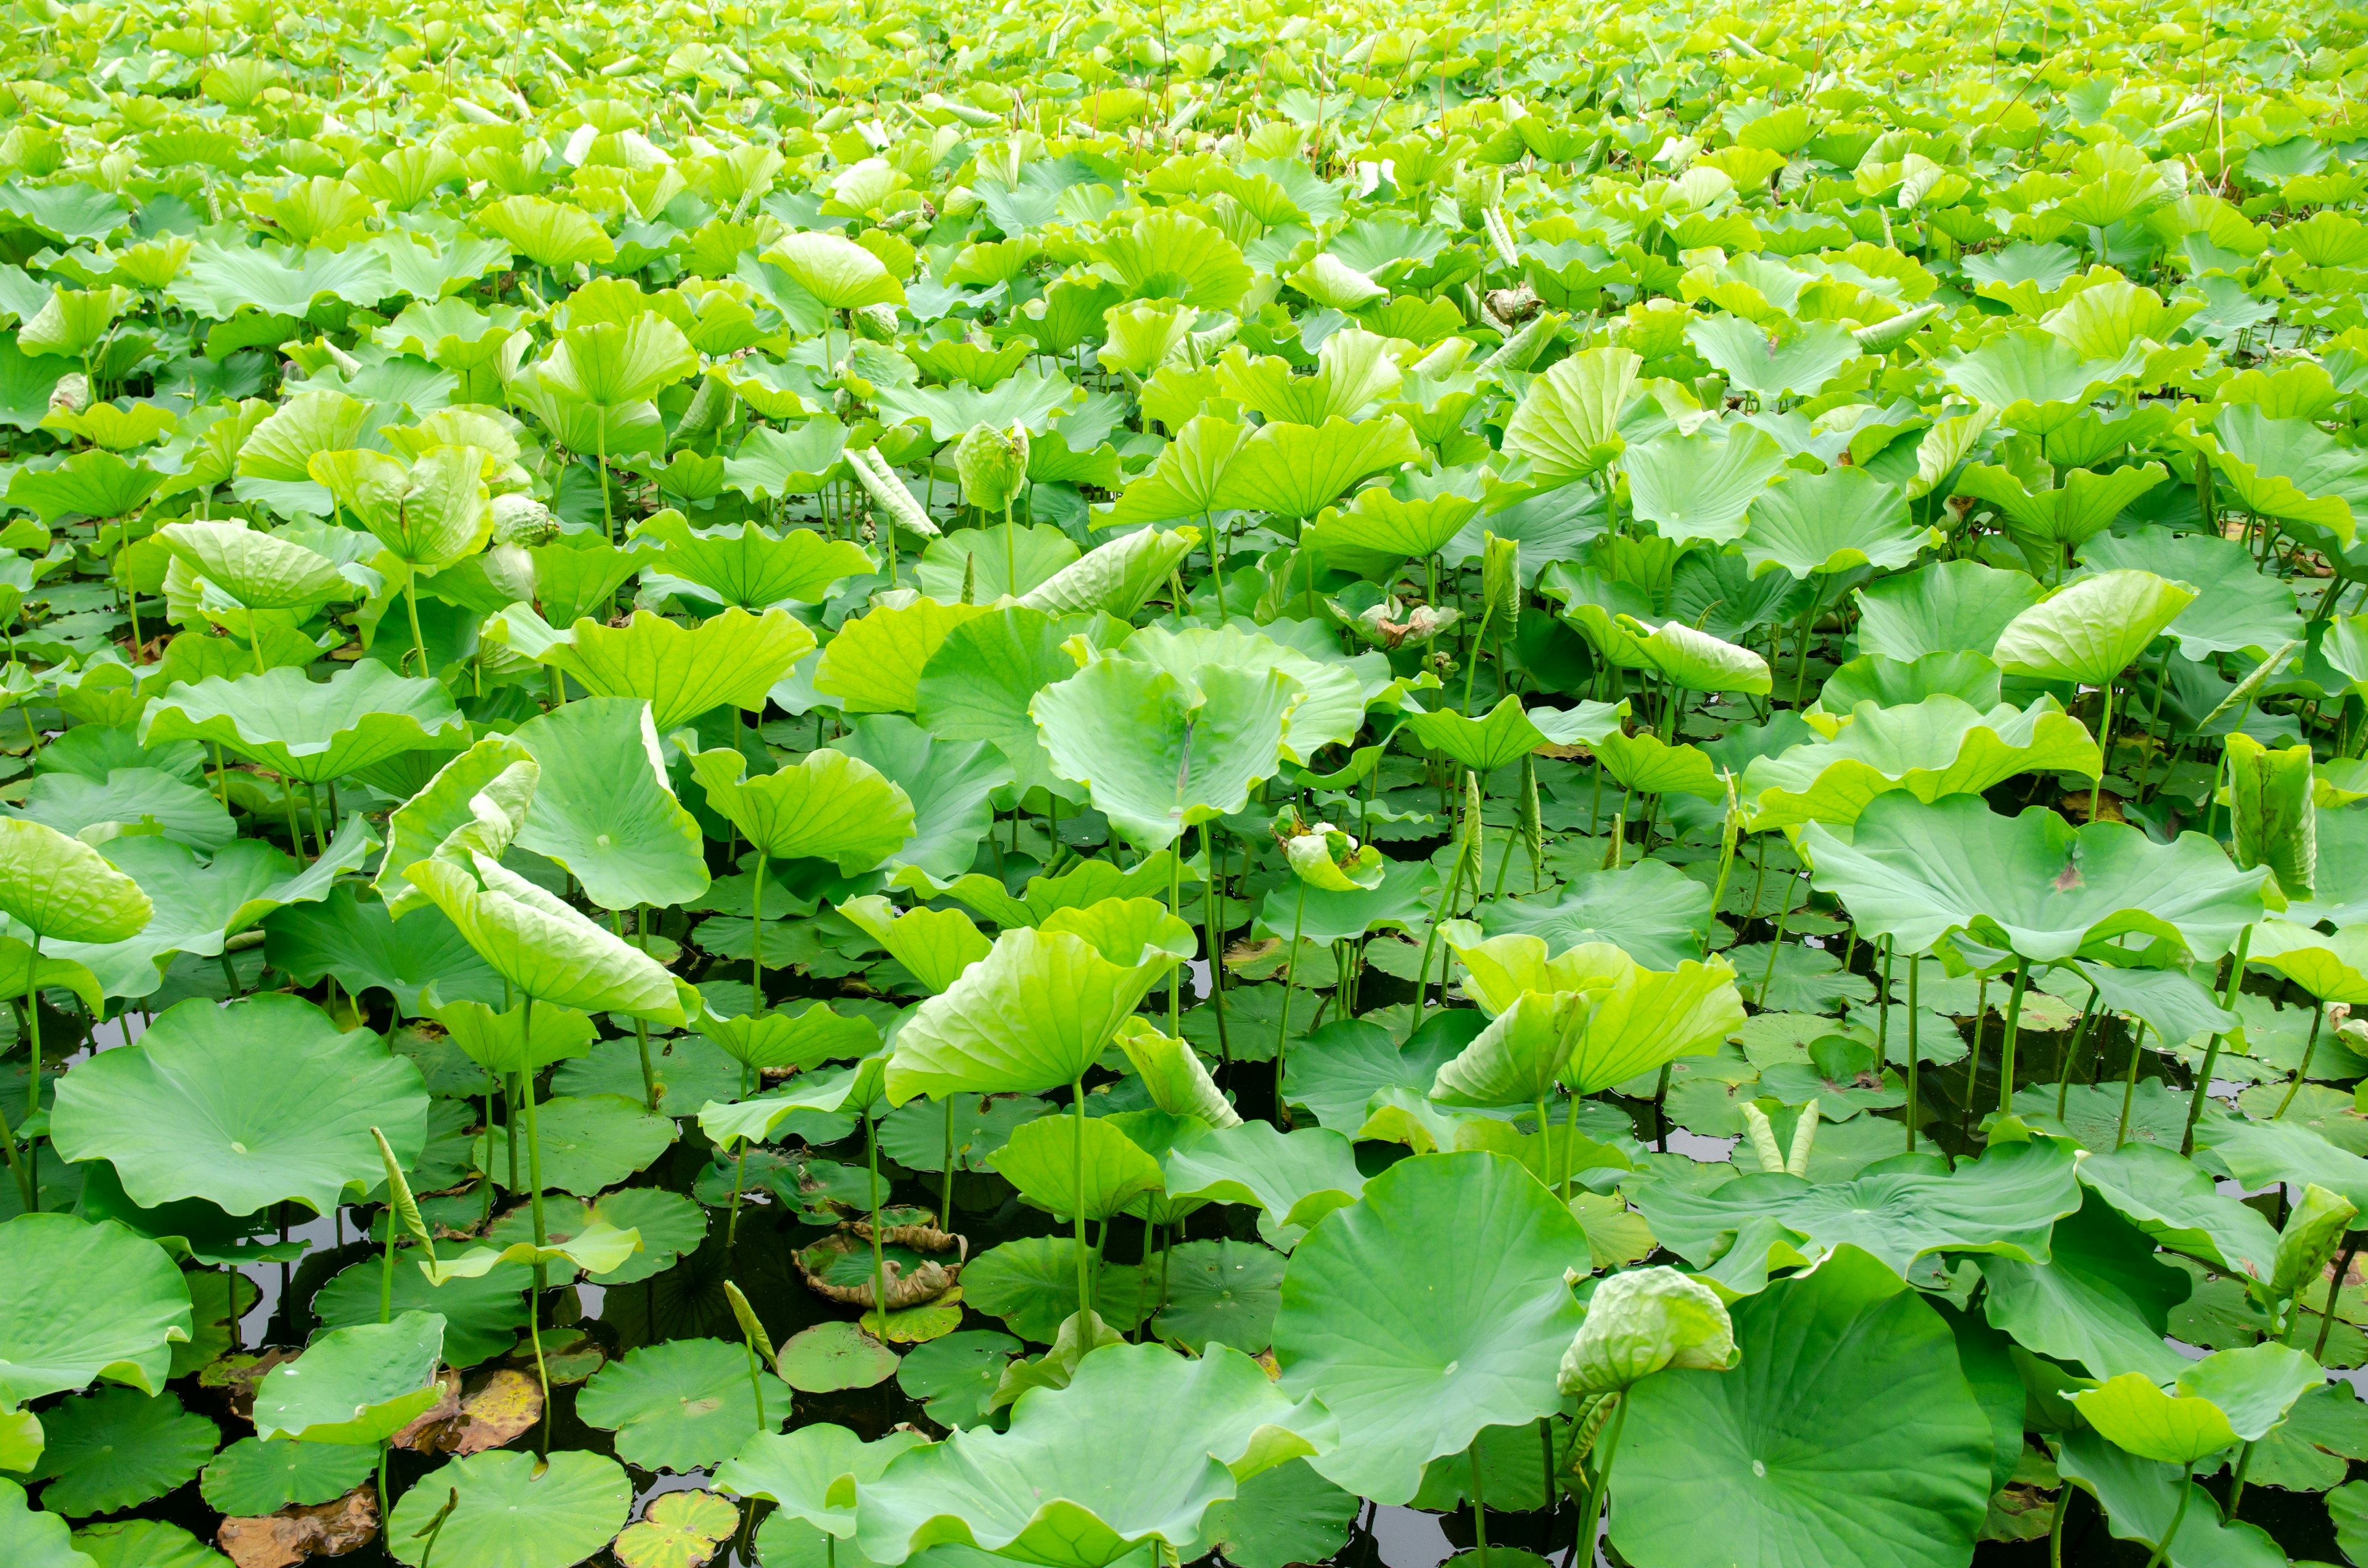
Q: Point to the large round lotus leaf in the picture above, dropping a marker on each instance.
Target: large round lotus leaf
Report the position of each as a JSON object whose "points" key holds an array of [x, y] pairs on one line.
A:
{"points": [[1082, 1477], [1284, 1516], [834, 1356], [1432, 1307], [1831, 522], [309, 729], [1218, 1292], [255, 1476], [120, 1447], [60, 888], [80, 1301], [31, 1538], [145, 1543], [243, 1105], [2093, 630], [957, 1375], [588, 1142], [1847, 1436], [681, 1405], [813, 1472], [483, 1317], [2007, 1202], [2034, 883], [354, 1385], [1031, 1285], [602, 808], [515, 1510], [1337, 1071]]}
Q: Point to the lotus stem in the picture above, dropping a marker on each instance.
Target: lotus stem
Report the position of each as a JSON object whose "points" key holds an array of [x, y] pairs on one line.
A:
{"points": [[2129, 1087], [16, 1165], [411, 603], [1479, 1505], [1776, 943], [2013, 1024], [2211, 1051], [2334, 1289], [757, 935], [1212, 934], [946, 1199], [1486, 612], [1598, 1493], [1283, 1025], [30, 1171], [436, 1528], [642, 1029], [1545, 1445], [1176, 908], [533, 1148], [1915, 974], [2178, 1516], [2317, 1018], [1085, 1271], [2104, 752]]}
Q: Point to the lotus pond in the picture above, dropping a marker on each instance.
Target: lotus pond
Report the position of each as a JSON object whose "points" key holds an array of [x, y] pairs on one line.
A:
{"points": [[1273, 783]]}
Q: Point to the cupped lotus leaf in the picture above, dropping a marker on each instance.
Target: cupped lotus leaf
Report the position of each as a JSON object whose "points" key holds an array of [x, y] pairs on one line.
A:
{"points": [[1650, 909], [245, 1105], [550, 234], [1568, 421], [2182, 1427], [1041, 1006], [1171, 254], [1942, 746], [1331, 711], [1499, 970], [260, 570], [130, 798], [1649, 1019], [1173, 1075], [1431, 1308], [874, 665], [1293, 1179], [1820, 523], [430, 513], [2333, 968], [80, 1301], [2030, 366], [829, 806], [33, 1538], [1484, 745], [682, 672], [934, 945], [1943, 607], [90, 484], [837, 271], [2273, 820], [2006, 1202], [1520, 1056], [682, 1406], [1385, 523], [514, 1510], [60, 888], [815, 1472], [2091, 629], [1701, 486], [752, 568], [950, 783], [612, 364], [1649, 766], [354, 1385], [597, 1248], [498, 1041], [1641, 1321], [543, 946], [2177, 1205], [2047, 522], [1353, 368], [978, 684], [2259, 1154], [1331, 861], [1798, 364], [1157, 754], [838, 1090], [307, 730], [1883, 1458], [2288, 469], [1696, 661], [1296, 470], [1914, 872], [1114, 577], [477, 800], [804, 1041], [1182, 482], [1080, 1479], [1067, 1165], [602, 808]]}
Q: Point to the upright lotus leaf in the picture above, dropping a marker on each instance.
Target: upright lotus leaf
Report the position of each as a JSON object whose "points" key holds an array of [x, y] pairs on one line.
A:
{"points": [[752, 569], [2091, 629], [1330, 712], [602, 809], [1039, 1008], [1914, 872], [478, 800], [543, 946], [59, 887], [1157, 754], [1650, 1018], [1540, 1007], [1820, 524], [1296, 470], [1171, 254], [513, 1510], [1883, 1457], [612, 364], [1696, 661], [2238, 608], [977, 683], [2288, 469], [1500, 969], [1501, 738], [598, 1248], [1642, 1320], [2047, 522], [837, 271], [2228, 1397], [682, 672], [2333, 968], [428, 514], [260, 570], [814, 1473], [2007, 1202], [2271, 819], [934, 945], [1293, 1179], [800, 1042], [1173, 1075], [830, 806], [1647, 765], [1568, 422], [1385, 523], [874, 665], [1081, 1479], [245, 1105], [307, 730], [1701, 486], [1943, 607], [360, 1384], [952, 785], [1942, 746], [1114, 577], [1430, 1308], [1073, 1167], [80, 1301], [1649, 910], [1797, 363]]}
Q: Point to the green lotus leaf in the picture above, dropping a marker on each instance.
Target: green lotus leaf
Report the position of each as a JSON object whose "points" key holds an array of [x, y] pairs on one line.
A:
{"points": [[1157, 754], [2230, 1395], [1293, 1179], [2091, 629], [1330, 712], [498, 1041], [616, 826], [1943, 607], [949, 784], [753, 569], [307, 730], [354, 1385], [1568, 424], [430, 513], [2140, 1500], [2102, 1298], [2048, 521], [829, 806], [1296, 470], [613, 364], [589, 1142], [482, 1318], [255, 1476], [1798, 364], [1173, 1075], [934, 945], [543, 946], [130, 798], [597, 1247], [1170, 255], [80, 1301], [116, 1448], [259, 570], [1820, 524], [1882, 1459], [1447, 1264], [2177, 1205], [1649, 766], [247, 1106], [837, 271], [1642, 1320], [837, 1090], [1938, 747], [1378, 521], [1914, 872], [2333, 968], [2261, 1153], [60, 888], [682, 1406], [874, 665], [1079, 1480], [1650, 909], [1969, 678], [732, 658], [978, 684], [1702, 487], [90, 484], [2025, 371], [805, 1042], [2006, 1202], [33, 1539], [2237, 609], [1114, 577], [1484, 745], [2288, 469], [478, 800], [833, 1356], [1696, 661], [668, 1225], [515, 1510], [1071, 1165], [815, 1472], [957, 1375], [549, 233], [2273, 819], [678, 1529]]}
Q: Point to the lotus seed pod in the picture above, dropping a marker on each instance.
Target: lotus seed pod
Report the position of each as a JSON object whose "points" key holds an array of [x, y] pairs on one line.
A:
{"points": [[520, 518], [71, 396], [877, 322]]}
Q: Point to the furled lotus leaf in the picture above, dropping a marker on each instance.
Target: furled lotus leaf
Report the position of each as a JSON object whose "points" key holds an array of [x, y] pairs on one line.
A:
{"points": [[543, 946], [1159, 754], [2091, 629], [1641, 1321]]}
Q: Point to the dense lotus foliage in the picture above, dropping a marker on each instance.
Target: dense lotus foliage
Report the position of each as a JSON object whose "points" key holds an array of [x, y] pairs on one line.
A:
{"points": [[1110, 786]]}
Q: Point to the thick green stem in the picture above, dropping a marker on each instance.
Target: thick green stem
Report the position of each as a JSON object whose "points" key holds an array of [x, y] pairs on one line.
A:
{"points": [[757, 937], [1213, 934], [411, 603], [879, 1262], [1085, 1259], [641, 1036], [18, 1165], [2178, 1516], [2072, 1052], [2130, 1087], [1915, 974], [1479, 1506], [533, 1151], [2105, 753], [946, 1195], [1598, 1493], [30, 1171], [2317, 1018], [1283, 1025], [2013, 1024], [2211, 1051]]}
